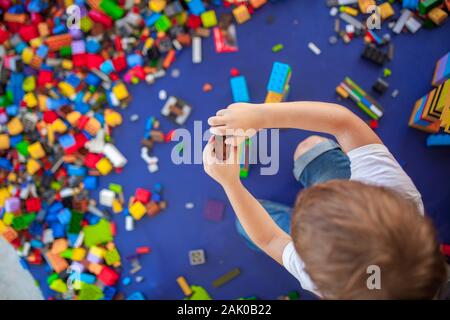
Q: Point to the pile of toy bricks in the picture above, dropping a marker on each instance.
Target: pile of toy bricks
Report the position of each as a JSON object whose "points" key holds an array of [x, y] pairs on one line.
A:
{"points": [[63, 75], [361, 19], [431, 113]]}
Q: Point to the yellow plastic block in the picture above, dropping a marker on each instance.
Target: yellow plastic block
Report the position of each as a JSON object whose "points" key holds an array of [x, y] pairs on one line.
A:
{"points": [[120, 91], [33, 166], [157, 5], [274, 97], [12, 177], [73, 117], [149, 43], [386, 10], [42, 102], [14, 126], [117, 206], [349, 10], [104, 166], [4, 194], [364, 5], [437, 15], [67, 64], [241, 14], [97, 251], [29, 84], [66, 89], [4, 141], [8, 218], [78, 254], [36, 151], [59, 126], [36, 42], [2, 227], [27, 55], [257, 3], [112, 118], [30, 100], [137, 210], [209, 19]]}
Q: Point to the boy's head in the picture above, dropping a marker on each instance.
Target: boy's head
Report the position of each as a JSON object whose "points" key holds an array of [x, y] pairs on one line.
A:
{"points": [[340, 228]]}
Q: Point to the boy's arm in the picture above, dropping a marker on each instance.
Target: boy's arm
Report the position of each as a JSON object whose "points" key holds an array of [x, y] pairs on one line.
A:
{"points": [[260, 227], [350, 131]]}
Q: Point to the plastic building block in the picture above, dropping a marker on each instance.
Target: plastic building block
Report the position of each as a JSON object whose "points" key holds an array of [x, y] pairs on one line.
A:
{"points": [[241, 14], [214, 210], [410, 4], [197, 257], [257, 3], [386, 10], [442, 70], [364, 5], [438, 140], [98, 233], [374, 54], [438, 16], [137, 210], [198, 293], [226, 278], [176, 110], [239, 89], [380, 86], [209, 19], [106, 197], [426, 5], [279, 77], [184, 286]]}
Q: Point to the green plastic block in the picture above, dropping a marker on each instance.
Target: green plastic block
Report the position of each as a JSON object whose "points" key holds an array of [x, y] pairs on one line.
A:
{"points": [[227, 277], [112, 9], [22, 148], [198, 293], [112, 256], [117, 188], [277, 48], [55, 185], [163, 24], [65, 51], [75, 222], [90, 292], [426, 5], [98, 233], [23, 222], [293, 295], [52, 278], [243, 173], [67, 254]]}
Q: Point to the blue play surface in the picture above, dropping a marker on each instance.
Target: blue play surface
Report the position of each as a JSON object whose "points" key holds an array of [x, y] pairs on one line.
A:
{"points": [[177, 230]]}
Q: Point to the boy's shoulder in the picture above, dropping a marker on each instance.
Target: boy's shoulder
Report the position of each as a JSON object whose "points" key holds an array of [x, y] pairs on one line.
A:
{"points": [[374, 164]]}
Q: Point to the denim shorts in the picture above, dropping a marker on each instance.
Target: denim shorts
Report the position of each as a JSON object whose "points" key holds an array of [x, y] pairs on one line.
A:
{"points": [[323, 162]]}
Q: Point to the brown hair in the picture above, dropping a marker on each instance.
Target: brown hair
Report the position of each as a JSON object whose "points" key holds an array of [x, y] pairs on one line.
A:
{"points": [[342, 227]]}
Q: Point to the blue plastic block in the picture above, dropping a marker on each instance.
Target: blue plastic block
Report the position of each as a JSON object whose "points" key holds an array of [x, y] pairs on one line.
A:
{"points": [[411, 4], [109, 293], [126, 281], [90, 183], [64, 216], [67, 141], [93, 80], [58, 230], [438, 140], [239, 89], [136, 296], [151, 20], [77, 171], [278, 77], [107, 67], [196, 7], [134, 60], [93, 46], [73, 80]]}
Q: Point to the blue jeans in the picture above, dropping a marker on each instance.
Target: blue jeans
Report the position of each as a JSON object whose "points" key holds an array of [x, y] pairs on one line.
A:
{"points": [[323, 162]]}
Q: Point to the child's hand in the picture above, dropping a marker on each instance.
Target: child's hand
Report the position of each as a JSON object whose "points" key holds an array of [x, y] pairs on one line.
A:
{"points": [[238, 121], [225, 172]]}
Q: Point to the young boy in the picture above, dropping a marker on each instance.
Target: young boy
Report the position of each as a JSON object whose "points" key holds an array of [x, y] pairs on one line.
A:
{"points": [[360, 212]]}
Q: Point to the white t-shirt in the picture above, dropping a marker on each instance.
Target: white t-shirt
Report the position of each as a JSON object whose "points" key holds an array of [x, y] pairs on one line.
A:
{"points": [[371, 164]]}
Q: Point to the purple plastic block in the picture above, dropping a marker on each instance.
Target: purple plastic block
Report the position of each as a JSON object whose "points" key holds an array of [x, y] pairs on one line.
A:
{"points": [[214, 210], [12, 204], [93, 258], [78, 47]]}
